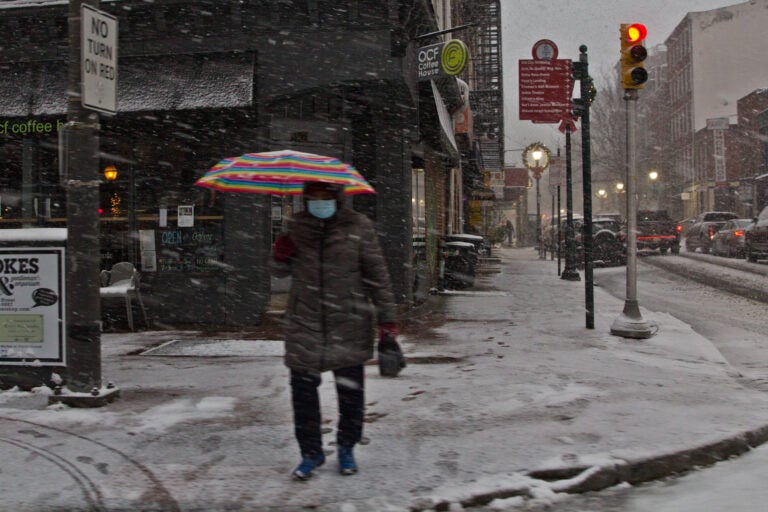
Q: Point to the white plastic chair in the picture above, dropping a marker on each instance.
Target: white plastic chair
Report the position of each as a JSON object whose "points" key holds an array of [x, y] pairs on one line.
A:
{"points": [[122, 282]]}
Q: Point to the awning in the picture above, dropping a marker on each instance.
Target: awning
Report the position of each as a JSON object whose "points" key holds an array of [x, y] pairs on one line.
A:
{"points": [[176, 82], [446, 122]]}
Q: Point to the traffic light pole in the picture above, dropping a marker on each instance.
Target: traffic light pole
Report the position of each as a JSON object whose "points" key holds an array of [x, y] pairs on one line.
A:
{"points": [[630, 323]]}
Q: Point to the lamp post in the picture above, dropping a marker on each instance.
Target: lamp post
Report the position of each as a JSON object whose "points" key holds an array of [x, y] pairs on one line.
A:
{"points": [[619, 190], [601, 195], [653, 176], [536, 158], [537, 154]]}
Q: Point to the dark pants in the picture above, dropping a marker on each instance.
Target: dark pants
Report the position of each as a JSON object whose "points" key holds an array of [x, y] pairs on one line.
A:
{"points": [[350, 389]]}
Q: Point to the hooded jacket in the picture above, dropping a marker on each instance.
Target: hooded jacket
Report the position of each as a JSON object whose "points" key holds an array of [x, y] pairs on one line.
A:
{"points": [[340, 282]]}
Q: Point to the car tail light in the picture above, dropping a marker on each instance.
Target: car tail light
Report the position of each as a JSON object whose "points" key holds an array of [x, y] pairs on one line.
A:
{"points": [[711, 232], [738, 232], [678, 228]]}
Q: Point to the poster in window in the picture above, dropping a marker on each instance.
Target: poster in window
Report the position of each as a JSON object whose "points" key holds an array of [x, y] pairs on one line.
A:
{"points": [[32, 308], [186, 216]]}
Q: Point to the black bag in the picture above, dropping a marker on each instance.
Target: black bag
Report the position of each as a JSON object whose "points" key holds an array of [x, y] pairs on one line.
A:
{"points": [[391, 358]]}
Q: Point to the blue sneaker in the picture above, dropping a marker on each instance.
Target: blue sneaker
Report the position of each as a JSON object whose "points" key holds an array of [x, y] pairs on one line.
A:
{"points": [[304, 471], [347, 464]]}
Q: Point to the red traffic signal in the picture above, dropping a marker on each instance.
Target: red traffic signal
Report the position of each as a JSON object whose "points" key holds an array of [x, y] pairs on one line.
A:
{"points": [[633, 53], [635, 33]]}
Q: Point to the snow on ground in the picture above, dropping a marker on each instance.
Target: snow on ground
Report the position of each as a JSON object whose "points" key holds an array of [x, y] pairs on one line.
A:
{"points": [[511, 382]]}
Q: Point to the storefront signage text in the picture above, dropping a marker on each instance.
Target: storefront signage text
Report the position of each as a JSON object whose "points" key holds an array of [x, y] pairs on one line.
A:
{"points": [[32, 310]]}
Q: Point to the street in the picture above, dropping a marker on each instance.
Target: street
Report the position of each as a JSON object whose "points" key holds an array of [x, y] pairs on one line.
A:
{"points": [[737, 327]]}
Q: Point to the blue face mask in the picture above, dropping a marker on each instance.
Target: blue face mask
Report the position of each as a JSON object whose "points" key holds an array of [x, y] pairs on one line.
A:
{"points": [[322, 208]]}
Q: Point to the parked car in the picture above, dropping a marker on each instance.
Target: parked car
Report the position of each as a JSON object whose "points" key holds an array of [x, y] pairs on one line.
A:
{"points": [[657, 230], [608, 243], [701, 233], [729, 240], [756, 237], [684, 225], [615, 216]]}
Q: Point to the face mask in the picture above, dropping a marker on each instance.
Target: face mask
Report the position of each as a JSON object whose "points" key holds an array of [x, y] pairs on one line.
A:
{"points": [[322, 208]]}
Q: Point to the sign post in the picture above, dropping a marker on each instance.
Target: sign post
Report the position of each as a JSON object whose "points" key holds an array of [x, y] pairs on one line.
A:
{"points": [[546, 88], [87, 40]]}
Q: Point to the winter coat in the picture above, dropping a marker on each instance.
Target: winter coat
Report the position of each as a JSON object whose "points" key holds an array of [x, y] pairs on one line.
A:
{"points": [[337, 270]]}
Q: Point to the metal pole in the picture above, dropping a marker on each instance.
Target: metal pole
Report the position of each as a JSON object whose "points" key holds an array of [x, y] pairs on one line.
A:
{"points": [[557, 241], [570, 273], [630, 323], [552, 232], [586, 171], [538, 214], [132, 219], [82, 271]]}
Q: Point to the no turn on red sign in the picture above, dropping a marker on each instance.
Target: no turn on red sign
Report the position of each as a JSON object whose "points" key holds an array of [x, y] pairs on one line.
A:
{"points": [[98, 60]]}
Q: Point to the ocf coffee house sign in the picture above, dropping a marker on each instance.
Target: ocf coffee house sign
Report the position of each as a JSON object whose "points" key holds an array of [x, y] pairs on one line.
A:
{"points": [[441, 59], [32, 309]]}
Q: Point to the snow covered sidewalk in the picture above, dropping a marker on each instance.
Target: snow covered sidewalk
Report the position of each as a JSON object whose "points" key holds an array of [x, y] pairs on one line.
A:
{"points": [[507, 395]]}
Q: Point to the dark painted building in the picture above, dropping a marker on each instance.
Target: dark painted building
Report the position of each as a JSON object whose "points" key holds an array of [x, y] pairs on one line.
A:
{"points": [[203, 80]]}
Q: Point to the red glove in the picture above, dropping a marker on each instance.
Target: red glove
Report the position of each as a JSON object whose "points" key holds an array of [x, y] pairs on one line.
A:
{"points": [[388, 332], [283, 248]]}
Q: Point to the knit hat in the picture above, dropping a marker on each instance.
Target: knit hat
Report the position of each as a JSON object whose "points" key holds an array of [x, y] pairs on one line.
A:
{"points": [[314, 186]]}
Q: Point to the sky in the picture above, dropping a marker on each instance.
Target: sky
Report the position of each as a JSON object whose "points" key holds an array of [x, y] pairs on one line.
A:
{"points": [[511, 382], [570, 24]]}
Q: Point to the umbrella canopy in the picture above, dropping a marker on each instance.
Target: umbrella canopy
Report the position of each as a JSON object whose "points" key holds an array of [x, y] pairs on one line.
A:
{"points": [[281, 173]]}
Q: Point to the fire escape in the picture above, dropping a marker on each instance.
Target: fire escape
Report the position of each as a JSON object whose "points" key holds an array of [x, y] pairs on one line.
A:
{"points": [[486, 93]]}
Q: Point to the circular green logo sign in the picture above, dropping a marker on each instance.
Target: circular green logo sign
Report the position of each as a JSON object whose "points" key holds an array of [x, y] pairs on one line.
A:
{"points": [[454, 57]]}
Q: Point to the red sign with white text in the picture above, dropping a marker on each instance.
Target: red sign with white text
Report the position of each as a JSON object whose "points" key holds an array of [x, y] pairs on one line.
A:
{"points": [[545, 90]]}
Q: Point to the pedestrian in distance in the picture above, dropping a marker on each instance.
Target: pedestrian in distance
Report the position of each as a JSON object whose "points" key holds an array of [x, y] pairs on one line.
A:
{"points": [[510, 229], [339, 285]]}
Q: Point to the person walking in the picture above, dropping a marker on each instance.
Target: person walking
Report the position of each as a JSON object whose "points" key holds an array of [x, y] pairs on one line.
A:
{"points": [[339, 284], [510, 229]]}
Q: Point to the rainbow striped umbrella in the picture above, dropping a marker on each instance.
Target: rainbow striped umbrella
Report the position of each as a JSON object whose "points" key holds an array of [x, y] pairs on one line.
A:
{"points": [[281, 173]]}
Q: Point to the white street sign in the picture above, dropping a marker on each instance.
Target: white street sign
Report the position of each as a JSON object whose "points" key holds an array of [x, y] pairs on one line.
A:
{"points": [[98, 60]]}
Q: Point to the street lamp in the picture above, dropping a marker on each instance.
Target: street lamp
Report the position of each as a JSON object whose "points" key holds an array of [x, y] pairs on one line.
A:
{"points": [[653, 176], [110, 174], [536, 158], [620, 190], [602, 194]]}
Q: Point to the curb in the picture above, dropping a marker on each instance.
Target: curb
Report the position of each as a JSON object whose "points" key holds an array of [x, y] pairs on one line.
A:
{"points": [[742, 289], [582, 479]]}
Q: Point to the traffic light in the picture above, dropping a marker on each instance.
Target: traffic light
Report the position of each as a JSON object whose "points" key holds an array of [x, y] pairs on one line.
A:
{"points": [[633, 53]]}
